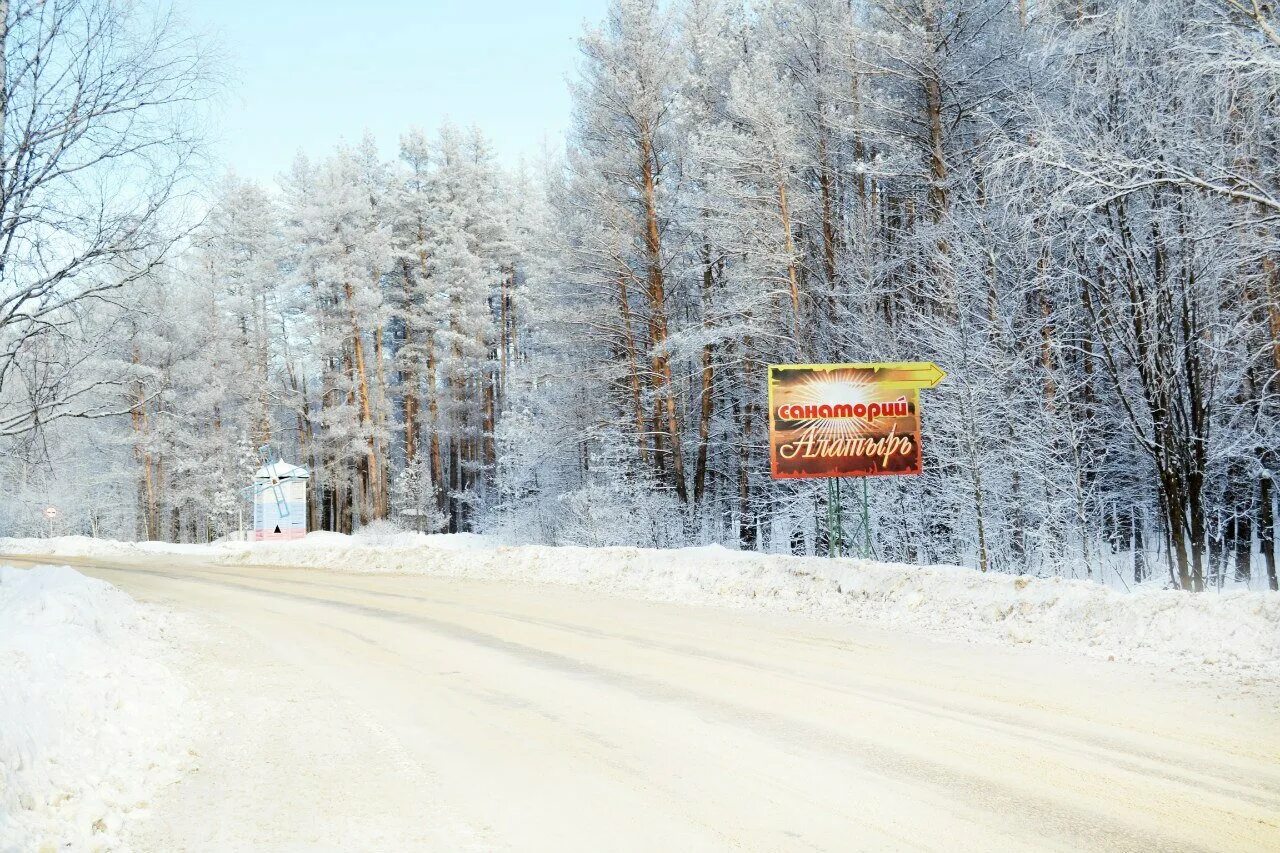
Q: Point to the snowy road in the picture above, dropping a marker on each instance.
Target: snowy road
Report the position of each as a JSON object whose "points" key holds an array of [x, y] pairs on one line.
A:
{"points": [[378, 712]]}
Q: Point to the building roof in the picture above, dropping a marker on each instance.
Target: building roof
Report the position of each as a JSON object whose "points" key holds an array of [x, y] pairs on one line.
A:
{"points": [[281, 471]]}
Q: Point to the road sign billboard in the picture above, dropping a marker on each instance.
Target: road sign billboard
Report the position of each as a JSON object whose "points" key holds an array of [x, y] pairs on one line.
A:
{"points": [[847, 420]]}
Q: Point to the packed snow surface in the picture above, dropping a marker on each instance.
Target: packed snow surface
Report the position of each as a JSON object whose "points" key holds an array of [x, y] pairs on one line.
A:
{"points": [[1232, 632], [89, 712]]}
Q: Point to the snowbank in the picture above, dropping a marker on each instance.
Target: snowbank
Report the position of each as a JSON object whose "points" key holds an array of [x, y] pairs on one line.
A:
{"points": [[1236, 633], [89, 714]]}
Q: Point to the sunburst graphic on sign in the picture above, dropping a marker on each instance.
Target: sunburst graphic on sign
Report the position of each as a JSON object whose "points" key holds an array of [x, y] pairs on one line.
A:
{"points": [[833, 389]]}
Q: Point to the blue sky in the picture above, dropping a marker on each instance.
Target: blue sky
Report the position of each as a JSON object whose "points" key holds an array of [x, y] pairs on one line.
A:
{"points": [[305, 74]]}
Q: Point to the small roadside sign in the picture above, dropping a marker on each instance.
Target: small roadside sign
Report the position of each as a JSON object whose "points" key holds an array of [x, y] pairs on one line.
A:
{"points": [[51, 512]]}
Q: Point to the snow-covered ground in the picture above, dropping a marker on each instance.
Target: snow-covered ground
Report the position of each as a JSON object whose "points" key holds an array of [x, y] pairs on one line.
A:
{"points": [[1230, 633], [489, 698], [91, 717]]}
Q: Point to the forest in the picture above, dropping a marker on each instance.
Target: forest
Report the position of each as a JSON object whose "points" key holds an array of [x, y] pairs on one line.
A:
{"points": [[1072, 207]]}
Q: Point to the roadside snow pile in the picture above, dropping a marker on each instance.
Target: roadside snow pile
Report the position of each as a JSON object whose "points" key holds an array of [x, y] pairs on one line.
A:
{"points": [[397, 550], [1237, 631], [85, 546], [1232, 632], [88, 712]]}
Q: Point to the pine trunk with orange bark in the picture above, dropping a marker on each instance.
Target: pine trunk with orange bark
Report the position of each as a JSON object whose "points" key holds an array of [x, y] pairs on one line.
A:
{"points": [[411, 391], [359, 374], [661, 361], [708, 376], [633, 367], [789, 247]]}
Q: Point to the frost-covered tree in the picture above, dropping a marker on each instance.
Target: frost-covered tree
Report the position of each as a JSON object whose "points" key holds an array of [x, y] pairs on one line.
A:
{"points": [[978, 182], [1071, 208], [97, 143]]}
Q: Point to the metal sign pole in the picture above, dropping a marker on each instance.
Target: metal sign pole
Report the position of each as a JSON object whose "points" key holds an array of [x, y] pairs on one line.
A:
{"points": [[839, 522], [835, 515], [868, 549], [830, 506], [835, 522]]}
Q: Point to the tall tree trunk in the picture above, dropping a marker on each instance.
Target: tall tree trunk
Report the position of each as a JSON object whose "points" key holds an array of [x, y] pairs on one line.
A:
{"points": [[827, 191], [506, 322], [746, 530], [433, 442], [147, 509], [382, 494], [454, 484], [489, 449], [662, 378], [262, 361], [1239, 503], [932, 87], [162, 529], [704, 427], [789, 247], [633, 368], [704, 415], [1139, 547], [411, 404], [368, 501], [1175, 518], [4, 73], [305, 452], [744, 413], [1267, 529], [1271, 277], [859, 146], [435, 461]]}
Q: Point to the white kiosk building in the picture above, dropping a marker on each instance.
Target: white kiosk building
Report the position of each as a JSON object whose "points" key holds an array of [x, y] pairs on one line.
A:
{"points": [[280, 502]]}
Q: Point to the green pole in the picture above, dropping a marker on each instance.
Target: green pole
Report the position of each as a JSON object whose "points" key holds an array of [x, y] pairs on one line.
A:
{"points": [[831, 504], [839, 535], [867, 548], [835, 532]]}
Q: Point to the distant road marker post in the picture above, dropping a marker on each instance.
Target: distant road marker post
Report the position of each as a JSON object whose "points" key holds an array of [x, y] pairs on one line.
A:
{"points": [[51, 513]]}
